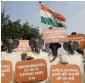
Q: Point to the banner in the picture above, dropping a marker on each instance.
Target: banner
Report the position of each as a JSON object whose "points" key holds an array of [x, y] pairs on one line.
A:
{"points": [[23, 46], [55, 34], [31, 70], [80, 38], [6, 71], [65, 74]]}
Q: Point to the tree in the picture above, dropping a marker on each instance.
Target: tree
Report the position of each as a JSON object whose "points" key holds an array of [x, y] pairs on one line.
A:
{"points": [[14, 29]]}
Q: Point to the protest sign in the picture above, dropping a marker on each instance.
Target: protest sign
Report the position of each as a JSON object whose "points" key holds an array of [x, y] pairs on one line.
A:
{"points": [[80, 38], [23, 46], [65, 74], [6, 71], [55, 34], [31, 70]]}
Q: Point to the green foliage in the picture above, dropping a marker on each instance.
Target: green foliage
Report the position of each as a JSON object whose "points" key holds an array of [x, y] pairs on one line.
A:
{"points": [[14, 29]]}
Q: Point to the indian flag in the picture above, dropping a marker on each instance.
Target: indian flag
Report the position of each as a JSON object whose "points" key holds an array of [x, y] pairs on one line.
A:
{"points": [[51, 18]]}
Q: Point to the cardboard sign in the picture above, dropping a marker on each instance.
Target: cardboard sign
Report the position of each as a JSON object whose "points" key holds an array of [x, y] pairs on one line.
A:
{"points": [[6, 71], [65, 74], [55, 35], [80, 38], [31, 70], [23, 46]]}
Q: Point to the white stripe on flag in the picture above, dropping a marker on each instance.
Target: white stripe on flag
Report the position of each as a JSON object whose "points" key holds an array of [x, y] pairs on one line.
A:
{"points": [[46, 14]]}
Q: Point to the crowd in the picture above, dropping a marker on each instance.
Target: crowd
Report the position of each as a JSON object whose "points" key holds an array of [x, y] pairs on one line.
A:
{"points": [[74, 55]]}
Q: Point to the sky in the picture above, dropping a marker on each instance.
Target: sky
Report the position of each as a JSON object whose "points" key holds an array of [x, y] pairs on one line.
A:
{"points": [[74, 12]]}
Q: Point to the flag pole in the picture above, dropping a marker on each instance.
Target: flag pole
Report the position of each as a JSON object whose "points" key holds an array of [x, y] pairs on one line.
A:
{"points": [[45, 47], [40, 22]]}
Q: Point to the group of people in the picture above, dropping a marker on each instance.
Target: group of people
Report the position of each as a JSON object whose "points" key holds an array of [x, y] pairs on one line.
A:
{"points": [[74, 55]]}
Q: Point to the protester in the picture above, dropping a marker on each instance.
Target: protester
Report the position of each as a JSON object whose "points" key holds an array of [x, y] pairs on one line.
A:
{"points": [[73, 57], [13, 56], [37, 53], [3, 49], [54, 56]]}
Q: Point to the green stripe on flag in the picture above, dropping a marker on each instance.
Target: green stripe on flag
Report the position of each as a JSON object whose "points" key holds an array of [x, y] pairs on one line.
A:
{"points": [[52, 22]]}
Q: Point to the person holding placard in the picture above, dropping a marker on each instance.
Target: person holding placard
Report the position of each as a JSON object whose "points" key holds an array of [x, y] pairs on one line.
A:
{"points": [[73, 57], [11, 55], [37, 53]]}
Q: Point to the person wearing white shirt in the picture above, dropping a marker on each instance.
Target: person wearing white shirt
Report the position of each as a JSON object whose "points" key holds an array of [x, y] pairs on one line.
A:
{"points": [[54, 56], [10, 55], [73, 57], [37, 53]]}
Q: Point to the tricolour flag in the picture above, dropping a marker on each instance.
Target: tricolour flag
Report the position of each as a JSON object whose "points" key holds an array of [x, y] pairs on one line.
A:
{"points": [[51, 18]]}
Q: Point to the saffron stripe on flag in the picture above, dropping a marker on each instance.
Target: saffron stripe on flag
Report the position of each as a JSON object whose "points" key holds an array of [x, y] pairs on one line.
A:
{"points": [[57, 15]]}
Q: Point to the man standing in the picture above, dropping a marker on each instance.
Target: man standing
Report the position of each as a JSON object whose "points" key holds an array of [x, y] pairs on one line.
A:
{"points": [[11, 55], [37, 53]]}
